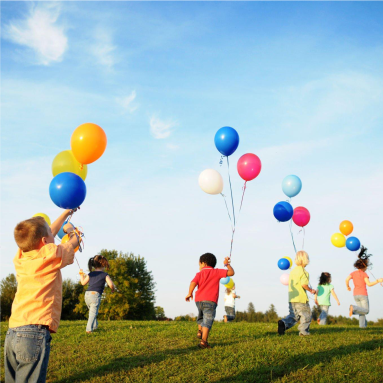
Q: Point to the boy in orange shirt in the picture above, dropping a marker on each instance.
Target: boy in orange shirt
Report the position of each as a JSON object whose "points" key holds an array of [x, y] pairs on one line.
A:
{"points": [[36, 309]]}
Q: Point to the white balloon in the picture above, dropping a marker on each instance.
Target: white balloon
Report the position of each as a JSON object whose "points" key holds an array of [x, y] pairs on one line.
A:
{"points": [[284, 279], [210, 181]]}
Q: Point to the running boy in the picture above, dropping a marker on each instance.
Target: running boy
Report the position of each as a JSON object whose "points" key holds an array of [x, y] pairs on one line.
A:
{"points": [[206, 297], [36, 309], [298, 302]]}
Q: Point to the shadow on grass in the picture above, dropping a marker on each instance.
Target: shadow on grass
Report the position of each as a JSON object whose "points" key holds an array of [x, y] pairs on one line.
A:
{"points": [[267, 373], [127, 363]]}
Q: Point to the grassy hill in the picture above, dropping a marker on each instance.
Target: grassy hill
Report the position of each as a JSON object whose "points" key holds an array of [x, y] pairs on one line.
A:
{"points": [[125, 351]]}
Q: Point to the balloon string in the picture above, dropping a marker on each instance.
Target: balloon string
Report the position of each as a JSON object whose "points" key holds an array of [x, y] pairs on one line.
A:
{"points": [[227, 209], [231, 190], [303, 243], [381, 284], [243, 194], [292, 236]]}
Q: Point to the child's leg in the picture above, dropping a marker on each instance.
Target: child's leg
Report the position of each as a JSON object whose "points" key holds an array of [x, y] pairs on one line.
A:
{"points": [[199, 319], [230, 311], [292, 318], [362, 309], [323, 315], [209, 310], [304, 312], [27, 358], [91, 299]]}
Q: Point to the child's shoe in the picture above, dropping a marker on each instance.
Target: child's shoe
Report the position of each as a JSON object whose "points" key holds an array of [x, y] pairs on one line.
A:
{"points": [[281, 327], [300, 334], [204, 344]]}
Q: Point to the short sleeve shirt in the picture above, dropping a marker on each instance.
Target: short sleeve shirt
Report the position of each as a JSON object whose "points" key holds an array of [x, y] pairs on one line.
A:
{"points": [[229, 299], [324, 293], [360, 287], [298, 277], [207, 281], [38, 298]]}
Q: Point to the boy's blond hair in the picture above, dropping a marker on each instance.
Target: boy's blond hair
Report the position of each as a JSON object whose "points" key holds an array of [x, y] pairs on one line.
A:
{"points": [[28, 233], [302, 258]]}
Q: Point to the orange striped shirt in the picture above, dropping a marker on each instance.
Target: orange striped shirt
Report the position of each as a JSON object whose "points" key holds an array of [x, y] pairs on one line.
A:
{"points": [[38, 298]]}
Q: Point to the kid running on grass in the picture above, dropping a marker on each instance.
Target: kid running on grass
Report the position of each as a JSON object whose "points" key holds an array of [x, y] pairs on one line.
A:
{"points": [[298, 302], [36, 309], [361, 279], [230, 297], [322, 297], [206, 297], [96, 279]]}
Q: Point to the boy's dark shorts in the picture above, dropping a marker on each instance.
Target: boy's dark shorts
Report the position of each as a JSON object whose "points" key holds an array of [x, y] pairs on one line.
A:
{"points": [[206, 313]]}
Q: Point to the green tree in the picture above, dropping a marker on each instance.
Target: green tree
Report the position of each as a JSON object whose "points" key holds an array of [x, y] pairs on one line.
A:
{"points": [[71, 297], [159, 312], [8, 287], [134, 298], [271, 314]]}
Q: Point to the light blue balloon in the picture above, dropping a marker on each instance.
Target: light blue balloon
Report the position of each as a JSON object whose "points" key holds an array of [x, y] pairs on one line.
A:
{"points": [[225, 281], [291, 186]]}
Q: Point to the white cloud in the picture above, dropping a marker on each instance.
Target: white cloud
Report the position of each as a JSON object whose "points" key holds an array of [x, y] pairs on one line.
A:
{"points": [[172, 146], [103, 48], [127, 102], [161, 129], [40, 32]]}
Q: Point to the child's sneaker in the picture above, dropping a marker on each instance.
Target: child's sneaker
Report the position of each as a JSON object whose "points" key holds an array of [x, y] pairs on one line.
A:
{"points": [[300, 334], [281, 327]]}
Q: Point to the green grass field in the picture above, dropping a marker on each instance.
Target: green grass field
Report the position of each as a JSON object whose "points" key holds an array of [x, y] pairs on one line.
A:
{"points": [[125, 351]]}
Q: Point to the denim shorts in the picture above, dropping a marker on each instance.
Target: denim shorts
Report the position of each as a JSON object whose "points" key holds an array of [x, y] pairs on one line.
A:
{"points": [[206, 313]]}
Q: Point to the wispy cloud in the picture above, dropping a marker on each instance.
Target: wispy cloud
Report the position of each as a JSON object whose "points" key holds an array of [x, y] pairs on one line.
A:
{"points": [[40, 32], [127, 103], [172, 146], [161, 129], [103, 48]]}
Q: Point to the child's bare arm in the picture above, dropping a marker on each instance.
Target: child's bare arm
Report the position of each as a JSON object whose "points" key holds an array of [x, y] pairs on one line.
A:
{"points": [[368, 283], [110, 283], [348, 282], [312, 291], [191, 289], [84, 278], [230, 270], [335, 296], [56, 225], [316, 298]]}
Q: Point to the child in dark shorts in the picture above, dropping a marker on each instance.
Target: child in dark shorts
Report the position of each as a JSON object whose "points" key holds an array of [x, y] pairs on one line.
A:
{"points": [[206, 297]]}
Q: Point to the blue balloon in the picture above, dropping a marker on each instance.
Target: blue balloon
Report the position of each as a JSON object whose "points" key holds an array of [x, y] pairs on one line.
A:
{"points": [[225, 281], [284, 264], [353, 244], [283, 211], [226, 140], [291, 186], [67, 190]]}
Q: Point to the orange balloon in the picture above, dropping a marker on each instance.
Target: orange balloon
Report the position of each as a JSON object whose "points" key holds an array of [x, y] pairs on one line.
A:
{"points": [[88, 143], [346, 227], [66, 238]]}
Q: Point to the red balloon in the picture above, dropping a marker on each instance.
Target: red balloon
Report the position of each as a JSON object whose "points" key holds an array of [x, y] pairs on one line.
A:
{"points": [[301, 216], [249, 166]]}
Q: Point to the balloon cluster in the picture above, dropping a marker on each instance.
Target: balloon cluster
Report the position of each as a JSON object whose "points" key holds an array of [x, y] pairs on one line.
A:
{"points": [[283, 212], [248, 166], [69, 168], [227, 282], [67, 189], [339, 239]]}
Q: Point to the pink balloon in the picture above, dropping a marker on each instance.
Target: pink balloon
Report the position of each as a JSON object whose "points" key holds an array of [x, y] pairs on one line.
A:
{"points": [[249, 166], [301, 216], [285, 279]]}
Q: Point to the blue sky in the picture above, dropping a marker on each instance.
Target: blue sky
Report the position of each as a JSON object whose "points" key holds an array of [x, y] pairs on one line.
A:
{"points": [[302, 83]]}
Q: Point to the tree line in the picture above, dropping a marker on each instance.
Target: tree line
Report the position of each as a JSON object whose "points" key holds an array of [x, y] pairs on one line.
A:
{"points": [[134, 298]]}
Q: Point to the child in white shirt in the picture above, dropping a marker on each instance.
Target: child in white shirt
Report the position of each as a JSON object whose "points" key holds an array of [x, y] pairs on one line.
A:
{"points": [[230, 298]]}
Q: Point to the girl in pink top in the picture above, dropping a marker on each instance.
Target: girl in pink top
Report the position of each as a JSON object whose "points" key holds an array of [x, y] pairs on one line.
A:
{"points": [[361, 281]]}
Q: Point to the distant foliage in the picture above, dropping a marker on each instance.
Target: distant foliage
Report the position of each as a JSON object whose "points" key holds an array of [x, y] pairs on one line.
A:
{"points": [[134, 298], [8, 287], [159, 313], [186, 318], [256, 316], [72, 292]]}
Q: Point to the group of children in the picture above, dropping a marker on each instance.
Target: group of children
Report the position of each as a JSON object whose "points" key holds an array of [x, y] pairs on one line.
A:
{"points": [[36, 308]]}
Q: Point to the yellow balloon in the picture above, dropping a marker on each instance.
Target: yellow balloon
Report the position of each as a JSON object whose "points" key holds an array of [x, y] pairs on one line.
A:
{"points": [[290, 260], [48, 221], [338, 240], [66, 162], [65, 239], [230, 284]]}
